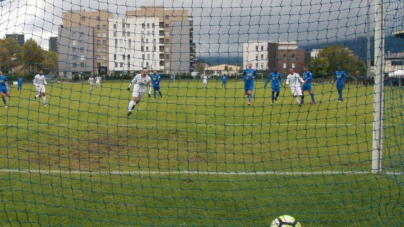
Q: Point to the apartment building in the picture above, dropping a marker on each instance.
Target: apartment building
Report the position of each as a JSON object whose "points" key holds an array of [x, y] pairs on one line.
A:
{"points": [[176, 48], [98, 22], [134, 44], [266, 55], [53, 44], [20, 38]]}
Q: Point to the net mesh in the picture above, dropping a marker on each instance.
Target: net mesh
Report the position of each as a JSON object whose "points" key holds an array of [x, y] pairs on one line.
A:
{"points": [[88, 141]]}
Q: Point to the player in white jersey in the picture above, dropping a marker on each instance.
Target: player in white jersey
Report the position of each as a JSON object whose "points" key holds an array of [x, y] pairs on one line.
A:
{"points": [[91, 82], [40, 82], [205, 81], [140, 84], [97, 81], [294, 80]]}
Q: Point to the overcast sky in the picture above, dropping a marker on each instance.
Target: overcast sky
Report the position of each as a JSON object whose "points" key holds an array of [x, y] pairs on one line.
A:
{"points": [[220, 26]]}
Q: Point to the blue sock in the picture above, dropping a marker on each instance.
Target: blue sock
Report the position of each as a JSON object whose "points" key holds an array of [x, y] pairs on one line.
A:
{"points": [[4, 100], [249, 97], [340, 95], [154, 94], [273, 97], [312, 97]]}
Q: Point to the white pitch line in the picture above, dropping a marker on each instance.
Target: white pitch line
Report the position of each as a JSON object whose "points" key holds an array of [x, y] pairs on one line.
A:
{"points": [[133, 173], [179, 125]]}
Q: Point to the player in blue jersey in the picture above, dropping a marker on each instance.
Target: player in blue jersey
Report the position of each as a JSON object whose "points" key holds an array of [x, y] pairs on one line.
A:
{"points": [[156, 83], [4, 88], [340, 78], [224, 81], [307, 77], [276, 84], [20, 80], [249, 75]]}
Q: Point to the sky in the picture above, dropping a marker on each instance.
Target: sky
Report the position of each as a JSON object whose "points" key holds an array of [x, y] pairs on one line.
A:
{"points": [[220, 26]]}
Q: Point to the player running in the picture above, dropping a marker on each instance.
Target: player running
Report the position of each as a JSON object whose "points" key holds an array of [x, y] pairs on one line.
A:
{"points": [[249, 75], [294, 80], [4, 88], [40, 82], [205, 81], [98, 81], [276, 84], [140, 84], [91, 82], [340, 78], [307, 77], [156, 83]]}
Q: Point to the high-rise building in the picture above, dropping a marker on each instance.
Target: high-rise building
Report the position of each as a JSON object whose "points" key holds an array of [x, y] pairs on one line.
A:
{"points": [[175, 37], [20, 38], [53, 44], [97, 41], [266, 55]]}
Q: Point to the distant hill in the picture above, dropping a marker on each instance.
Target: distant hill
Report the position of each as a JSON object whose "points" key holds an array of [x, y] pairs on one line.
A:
{"points": [[357, 45]]}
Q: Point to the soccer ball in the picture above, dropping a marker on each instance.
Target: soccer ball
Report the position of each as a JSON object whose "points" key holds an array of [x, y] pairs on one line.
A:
{"points": [[285, 221]]}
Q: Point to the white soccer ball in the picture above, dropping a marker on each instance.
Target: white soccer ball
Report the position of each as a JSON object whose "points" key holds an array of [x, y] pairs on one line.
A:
{"points": [[285, 221]]}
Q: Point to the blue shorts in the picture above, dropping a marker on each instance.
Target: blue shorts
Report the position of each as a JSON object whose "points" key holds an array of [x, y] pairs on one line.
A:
{"points": [[3, 90], [306, 87], [248, 89], [340, 86], [19, 85], [156, 88], [224, 82], [276, 88]]}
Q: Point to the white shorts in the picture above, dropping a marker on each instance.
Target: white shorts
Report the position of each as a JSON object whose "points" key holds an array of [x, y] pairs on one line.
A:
{"points": [[296, 91], [98, 82], [138, 93], [91, 85], [205, 81], [40, 89]]}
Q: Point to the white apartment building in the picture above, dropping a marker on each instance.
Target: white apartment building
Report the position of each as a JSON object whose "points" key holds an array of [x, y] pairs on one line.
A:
{"points": [[134, 44], [256, 53]]}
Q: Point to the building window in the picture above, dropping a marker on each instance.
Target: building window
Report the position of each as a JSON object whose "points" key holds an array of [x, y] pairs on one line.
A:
{"points": [[123, 57], [147, 64], [152, 32], [104, 42], [127, 33], [167, 40], [284, 65], [293, 56], [143, 25], [74, 65], [262, 66], [167, 17], [116, 64], [74, 49], [262, 48], [128, 65], [98, 26], [104, 35], [98, 57], [121, 64], [154, 48], [128, 57], [114, 56], [83, 19], [82, 65], [123, 34], [152, 25], [115, 33], [142, 49], [147, 49], [167, 49], [121, 41], [116, 42], [148, 25], [104, 50], [167, 33], [148, 56], [142, 56], [147, 40], [82, 57], [98, 18], [74, 43], [74, 57], [104, 57], [262, 57], [154, 40], [98, 42], [130, 42], [98, 64], [81, 49], [167, 56], [256, 48], [284, 57], [293, 65], [256, 57], [148, 32], [98, 49], [256, 65], [104, 26], [115, 26], [167, 25], [127, 26]]}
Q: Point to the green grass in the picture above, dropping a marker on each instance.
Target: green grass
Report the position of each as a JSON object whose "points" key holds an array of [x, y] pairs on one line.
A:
{"points": [[202, 147]]}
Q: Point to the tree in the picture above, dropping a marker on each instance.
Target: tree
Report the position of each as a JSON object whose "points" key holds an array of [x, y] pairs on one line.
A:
{"points": [[338, 56], [9, 48], [239, 68], [51, 61], [230, 69], [32, 55], [226, 68], [319, 66]]}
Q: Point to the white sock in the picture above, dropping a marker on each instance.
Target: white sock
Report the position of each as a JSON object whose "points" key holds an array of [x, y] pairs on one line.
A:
{"points": [[44, 100], [297, 100], [36, 96], [131, 105], [149, 90]]}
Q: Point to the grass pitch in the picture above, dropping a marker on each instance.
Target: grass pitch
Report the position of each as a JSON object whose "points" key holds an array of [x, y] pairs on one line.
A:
{"points": [[197, 157]]}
